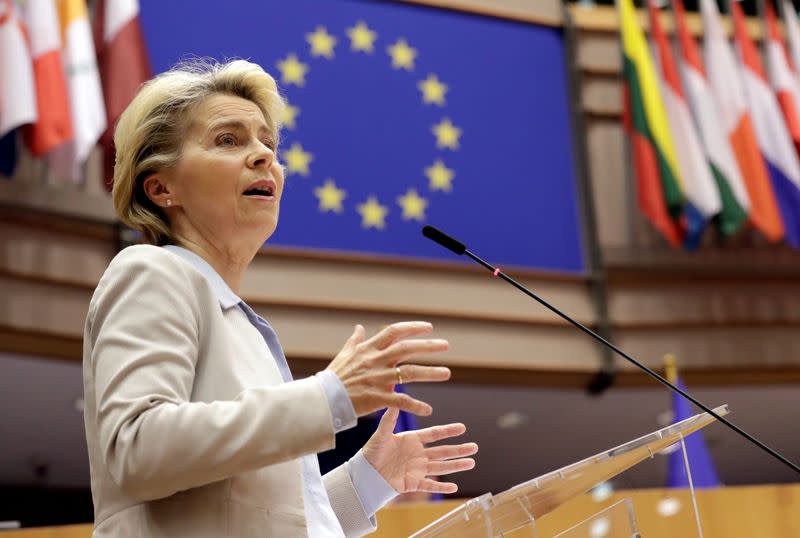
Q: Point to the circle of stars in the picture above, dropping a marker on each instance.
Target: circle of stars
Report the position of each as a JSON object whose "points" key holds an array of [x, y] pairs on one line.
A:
{"points": [[433, 92]]}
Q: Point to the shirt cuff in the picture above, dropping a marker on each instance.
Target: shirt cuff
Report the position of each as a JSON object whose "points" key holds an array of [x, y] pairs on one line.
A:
{"points": [[373, 491], [342, 410]]}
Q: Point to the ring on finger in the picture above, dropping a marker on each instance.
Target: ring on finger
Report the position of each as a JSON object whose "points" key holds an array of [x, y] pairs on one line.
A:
{"points": [[399, 375]]}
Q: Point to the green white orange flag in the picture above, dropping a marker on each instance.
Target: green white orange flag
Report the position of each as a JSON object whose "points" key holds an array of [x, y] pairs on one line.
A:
{"points": [[660, 194], [728, 90], [715, 142], [702, 197], [86, 96]]}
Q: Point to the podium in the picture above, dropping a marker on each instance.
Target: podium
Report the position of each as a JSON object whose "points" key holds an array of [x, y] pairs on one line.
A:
{"points": [[519, 507]]}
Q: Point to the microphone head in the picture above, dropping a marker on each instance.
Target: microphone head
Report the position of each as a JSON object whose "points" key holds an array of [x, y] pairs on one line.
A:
{"points": [[435, 234]]}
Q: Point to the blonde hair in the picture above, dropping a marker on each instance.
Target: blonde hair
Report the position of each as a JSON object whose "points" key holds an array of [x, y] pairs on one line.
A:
{"points": [[149, 134]]}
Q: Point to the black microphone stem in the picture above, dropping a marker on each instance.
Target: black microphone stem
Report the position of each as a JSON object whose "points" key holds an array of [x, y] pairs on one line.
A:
{"points": [[498, 273]]}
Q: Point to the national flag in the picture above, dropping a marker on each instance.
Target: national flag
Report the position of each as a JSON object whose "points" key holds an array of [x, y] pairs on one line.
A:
{"points": [[124, 65], [702, 198], [792, 36], [771, 132], [86, 96], [717, 146], [657, 175], [17, 87], [704, 474], [782, 78], [727, 87], [54, 124]]}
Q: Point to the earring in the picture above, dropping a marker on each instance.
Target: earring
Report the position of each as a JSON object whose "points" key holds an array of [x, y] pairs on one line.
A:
{"points": [[169, 203]]}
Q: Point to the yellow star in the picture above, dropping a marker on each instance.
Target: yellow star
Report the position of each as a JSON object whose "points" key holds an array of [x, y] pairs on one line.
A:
{"points": [[321, 42], [297, 160], [362, 38], [433, 90], [402, 55], [373, 214], [330, 198], [413, 206], [446, 134], [293, 71], [289, 115], [441, 177]]}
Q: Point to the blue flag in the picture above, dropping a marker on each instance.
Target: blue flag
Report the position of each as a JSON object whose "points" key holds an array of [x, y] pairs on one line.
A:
{"points": [[704, 475], [402, 115]]}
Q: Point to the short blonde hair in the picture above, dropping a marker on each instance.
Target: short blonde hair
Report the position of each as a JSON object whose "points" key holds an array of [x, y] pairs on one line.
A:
{"points": [[149, 134]]}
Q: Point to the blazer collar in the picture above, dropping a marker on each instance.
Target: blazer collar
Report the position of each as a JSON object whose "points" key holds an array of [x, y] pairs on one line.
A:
{"points": [[227, 298]]}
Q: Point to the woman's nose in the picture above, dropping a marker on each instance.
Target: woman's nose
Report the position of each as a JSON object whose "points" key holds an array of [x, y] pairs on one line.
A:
{"points": [[262, 156]]}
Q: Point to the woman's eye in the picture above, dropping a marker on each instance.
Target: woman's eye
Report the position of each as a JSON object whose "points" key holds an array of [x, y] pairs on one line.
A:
{"points": [[227, 140]]}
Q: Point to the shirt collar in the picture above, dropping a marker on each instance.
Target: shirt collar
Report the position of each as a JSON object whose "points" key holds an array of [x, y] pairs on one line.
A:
{"points": [[226, 297]]}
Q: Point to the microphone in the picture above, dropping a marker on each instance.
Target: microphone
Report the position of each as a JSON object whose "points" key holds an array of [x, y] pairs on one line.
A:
{"points": [[435, 234], [459, 248]]}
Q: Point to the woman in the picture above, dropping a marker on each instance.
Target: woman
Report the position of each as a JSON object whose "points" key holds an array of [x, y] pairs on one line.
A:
{"points": [[194, 425]]}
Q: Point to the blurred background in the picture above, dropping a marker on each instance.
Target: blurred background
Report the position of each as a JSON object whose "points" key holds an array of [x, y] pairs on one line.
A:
{"points": [[502, 123]]}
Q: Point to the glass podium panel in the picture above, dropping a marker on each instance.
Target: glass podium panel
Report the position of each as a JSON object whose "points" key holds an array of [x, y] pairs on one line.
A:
{"points": [[616, 521], [495, 516]]}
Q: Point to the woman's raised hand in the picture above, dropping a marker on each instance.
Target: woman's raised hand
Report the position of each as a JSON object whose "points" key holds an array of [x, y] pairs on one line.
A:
{"points": [[370, 368], [406, 462]]}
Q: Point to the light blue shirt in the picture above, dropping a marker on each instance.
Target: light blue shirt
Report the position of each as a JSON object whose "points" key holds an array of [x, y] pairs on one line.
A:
{"points": [[373, 491]]}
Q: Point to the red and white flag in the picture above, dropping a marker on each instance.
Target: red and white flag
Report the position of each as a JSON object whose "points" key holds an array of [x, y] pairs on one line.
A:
{"points": [[54, 125], [17, 88], [123, 61], [702, 197], [793, 38], [781, 77]]}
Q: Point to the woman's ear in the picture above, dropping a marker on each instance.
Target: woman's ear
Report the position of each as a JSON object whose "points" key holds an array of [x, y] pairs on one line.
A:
{"points": [[156, 188]]}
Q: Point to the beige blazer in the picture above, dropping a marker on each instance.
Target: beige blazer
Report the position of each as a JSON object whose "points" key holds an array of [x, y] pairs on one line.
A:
{"points": [[190, 431]]}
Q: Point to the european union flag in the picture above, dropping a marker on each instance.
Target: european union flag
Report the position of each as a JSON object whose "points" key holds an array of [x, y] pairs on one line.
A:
{"points": [[401, 115]]}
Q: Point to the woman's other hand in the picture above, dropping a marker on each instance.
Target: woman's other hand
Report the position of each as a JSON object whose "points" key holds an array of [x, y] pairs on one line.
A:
{"points": [[369, 369], [408, 465]]}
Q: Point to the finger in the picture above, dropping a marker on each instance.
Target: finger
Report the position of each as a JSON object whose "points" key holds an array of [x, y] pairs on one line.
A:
{"points": [[432, 486], [401, 351], [437, 433], [405, 402], [356, 338], [388, 422], [448, 452], [412, 373], [397, 331], [439, 468]]}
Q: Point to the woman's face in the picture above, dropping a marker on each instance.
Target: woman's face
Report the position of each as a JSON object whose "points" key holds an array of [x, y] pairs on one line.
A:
{"points": [[227, 185]]}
